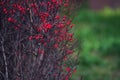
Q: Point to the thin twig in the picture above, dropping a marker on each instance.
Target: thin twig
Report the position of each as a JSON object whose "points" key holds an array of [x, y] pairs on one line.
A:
{"points": [[5, 59]]}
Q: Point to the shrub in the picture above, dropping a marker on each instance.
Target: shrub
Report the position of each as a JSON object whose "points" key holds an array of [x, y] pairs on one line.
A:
{"points": [[35, 41]]}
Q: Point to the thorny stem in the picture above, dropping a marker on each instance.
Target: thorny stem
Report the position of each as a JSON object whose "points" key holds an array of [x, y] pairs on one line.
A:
{"points": [[4, 56], [5, 59]]}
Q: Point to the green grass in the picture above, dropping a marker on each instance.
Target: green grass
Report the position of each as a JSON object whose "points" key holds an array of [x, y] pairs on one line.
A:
{"points": [[98, 35]]}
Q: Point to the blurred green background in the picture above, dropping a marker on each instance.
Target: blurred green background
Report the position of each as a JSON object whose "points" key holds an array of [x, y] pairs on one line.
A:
{"points": [[98, 34]]}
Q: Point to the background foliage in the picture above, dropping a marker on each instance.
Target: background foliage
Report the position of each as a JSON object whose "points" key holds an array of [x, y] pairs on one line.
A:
{"points": [[98, 44]]}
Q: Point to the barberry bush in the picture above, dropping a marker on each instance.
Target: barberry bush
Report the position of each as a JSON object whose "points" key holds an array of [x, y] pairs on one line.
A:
{"points": [[35, 40]]}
